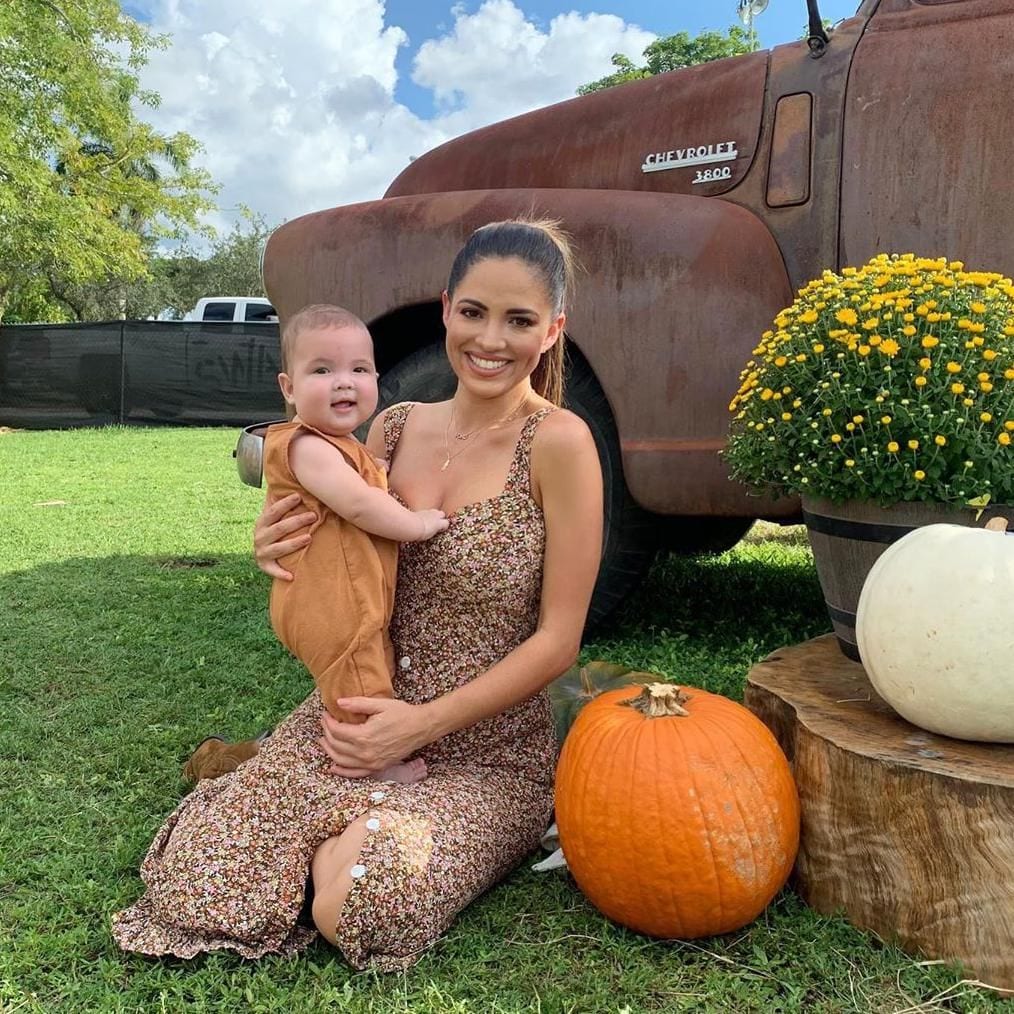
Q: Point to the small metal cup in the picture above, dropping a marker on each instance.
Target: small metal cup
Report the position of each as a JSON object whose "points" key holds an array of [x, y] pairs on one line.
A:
{"points": [[249, 453]]}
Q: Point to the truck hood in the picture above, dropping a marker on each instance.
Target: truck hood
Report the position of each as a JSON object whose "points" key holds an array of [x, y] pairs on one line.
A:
{"points": [[630, 137]]}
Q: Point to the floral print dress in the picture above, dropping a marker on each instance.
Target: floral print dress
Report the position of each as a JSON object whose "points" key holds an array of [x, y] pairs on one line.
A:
{"points": [[229, 867]]}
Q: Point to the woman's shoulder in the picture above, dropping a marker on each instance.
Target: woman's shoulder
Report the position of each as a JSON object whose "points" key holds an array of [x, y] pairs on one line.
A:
{"points": [[386, 418], [560, 437], [396, 411], [560, 428], [388, 425]]}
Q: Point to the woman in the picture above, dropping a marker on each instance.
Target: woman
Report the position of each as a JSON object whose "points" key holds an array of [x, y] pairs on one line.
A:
{"points": [[487, 614]]}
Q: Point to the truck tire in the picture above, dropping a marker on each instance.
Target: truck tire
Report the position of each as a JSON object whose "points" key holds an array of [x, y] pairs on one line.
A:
{"points": [[629, 539], [702, 536]]}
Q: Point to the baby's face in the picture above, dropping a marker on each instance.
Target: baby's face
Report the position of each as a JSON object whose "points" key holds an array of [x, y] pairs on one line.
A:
{"points": [[332, 379]]}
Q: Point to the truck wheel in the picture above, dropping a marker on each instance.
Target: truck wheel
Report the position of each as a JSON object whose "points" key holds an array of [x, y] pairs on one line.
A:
{"points": [[629, 541]]}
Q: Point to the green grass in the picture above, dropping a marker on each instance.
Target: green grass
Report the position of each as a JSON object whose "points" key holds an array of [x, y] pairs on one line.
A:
{"points": [[133, 622]]}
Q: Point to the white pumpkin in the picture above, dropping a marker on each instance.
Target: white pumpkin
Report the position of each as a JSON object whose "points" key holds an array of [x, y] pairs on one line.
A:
{"points": [[935, 626]]}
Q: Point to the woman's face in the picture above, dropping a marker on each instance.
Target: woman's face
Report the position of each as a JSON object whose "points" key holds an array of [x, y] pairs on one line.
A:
{"points": [[499, 322]]}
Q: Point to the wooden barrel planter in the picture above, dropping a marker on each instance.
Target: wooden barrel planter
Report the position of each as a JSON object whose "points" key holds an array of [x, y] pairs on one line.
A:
{"points": [[847, 538]]}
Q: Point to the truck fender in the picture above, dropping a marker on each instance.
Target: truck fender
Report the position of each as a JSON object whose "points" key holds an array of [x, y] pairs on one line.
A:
{"points": [[674, 294]]}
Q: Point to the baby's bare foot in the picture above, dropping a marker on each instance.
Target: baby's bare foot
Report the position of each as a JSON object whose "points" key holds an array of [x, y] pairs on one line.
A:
{"points": [[405, 772]]}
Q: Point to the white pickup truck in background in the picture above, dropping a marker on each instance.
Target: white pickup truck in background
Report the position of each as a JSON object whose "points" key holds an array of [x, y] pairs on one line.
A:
{"points": [[233, 309]]}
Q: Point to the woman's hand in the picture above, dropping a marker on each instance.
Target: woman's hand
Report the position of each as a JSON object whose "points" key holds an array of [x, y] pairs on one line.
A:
{"points": [[392, 732], [272, 534]]}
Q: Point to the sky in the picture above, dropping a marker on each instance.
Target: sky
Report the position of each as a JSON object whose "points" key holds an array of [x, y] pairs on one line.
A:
{"points": [[303, 105]]}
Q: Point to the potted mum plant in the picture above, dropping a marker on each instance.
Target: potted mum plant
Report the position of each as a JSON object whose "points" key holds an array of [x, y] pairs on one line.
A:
{"points": [[884, 397]]}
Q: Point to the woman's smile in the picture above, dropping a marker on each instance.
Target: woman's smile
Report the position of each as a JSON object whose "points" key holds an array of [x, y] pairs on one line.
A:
{"points": [[485, 364]]}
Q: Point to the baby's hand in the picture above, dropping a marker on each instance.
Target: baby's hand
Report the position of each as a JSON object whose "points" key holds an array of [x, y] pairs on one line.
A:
{"points": [[433, 521]]}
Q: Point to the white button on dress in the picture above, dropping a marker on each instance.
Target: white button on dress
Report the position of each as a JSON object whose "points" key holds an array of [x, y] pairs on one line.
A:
{"points": [[405, 662], [373, 824], [358, 871], [378, 797]]}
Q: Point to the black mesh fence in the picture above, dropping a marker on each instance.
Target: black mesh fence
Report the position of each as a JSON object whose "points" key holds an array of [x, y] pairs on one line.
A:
{"points": [[138, 372]]}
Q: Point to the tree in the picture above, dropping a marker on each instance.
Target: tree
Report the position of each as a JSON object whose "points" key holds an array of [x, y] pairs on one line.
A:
{"points": [[233, 268], [674, 52], [86, 187], [172, 285]]}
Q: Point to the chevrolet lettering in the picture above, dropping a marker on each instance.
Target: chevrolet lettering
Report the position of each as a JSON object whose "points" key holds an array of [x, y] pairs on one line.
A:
{"points": [[656, 161]]}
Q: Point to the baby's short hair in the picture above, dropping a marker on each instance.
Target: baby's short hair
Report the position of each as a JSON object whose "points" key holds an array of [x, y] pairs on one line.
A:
{"points": [[312, 318]]}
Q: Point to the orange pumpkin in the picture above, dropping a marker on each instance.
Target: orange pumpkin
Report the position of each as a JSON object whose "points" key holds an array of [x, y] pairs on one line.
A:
{"points": [[677, 812]]}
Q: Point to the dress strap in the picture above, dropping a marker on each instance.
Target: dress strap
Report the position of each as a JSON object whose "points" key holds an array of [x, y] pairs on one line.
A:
{"points": [[394, 423], [519, 478]]}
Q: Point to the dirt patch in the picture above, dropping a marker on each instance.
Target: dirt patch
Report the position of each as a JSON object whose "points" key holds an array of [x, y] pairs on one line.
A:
{"points": [[185, 562]]}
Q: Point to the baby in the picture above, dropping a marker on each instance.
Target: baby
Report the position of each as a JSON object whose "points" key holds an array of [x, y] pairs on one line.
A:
{"points": [[334, 614]]}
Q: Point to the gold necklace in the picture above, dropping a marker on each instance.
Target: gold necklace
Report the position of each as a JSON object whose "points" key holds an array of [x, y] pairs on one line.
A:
{"points": [[467, 437]]}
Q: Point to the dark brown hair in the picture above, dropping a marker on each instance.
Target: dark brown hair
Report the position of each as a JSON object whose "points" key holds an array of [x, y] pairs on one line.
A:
{"points": [[545, 248], [311, 318]]}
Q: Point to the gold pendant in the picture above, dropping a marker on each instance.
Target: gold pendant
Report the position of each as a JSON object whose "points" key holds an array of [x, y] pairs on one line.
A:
{"points": [[443, 467]]}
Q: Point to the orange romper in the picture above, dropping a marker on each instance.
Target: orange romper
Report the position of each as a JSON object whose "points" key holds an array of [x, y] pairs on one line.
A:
{"points": [[333, 616]]}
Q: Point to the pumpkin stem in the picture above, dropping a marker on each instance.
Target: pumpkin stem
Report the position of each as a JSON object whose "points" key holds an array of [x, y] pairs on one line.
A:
{"points": [[997, 524], [659, 700]]}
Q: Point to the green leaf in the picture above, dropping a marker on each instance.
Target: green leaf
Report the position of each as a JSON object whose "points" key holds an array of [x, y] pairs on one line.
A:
{"points": [[570, 692]]}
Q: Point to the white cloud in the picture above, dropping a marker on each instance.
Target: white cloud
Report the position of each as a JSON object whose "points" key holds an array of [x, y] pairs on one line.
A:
{"points": [[495, 63], [294, 99]]}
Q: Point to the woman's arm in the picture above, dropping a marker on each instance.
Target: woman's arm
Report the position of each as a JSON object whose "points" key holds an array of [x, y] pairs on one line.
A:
{"points": [[566, 474]]}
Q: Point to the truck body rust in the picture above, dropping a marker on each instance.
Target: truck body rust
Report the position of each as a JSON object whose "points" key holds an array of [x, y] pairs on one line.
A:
{"points": [[699, 201]]}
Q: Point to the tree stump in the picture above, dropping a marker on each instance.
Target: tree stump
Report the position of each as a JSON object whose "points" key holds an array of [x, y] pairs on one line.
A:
{"points": [[911, 834]]}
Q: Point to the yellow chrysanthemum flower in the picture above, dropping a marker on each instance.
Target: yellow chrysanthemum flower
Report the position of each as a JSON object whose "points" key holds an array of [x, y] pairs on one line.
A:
{"points": [[919, 475], [953, 367], [930, 341], [986, 416], [1005, 439], [940, 441], [847, 316], [920, 381], [893, 446], [835, 438]]}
